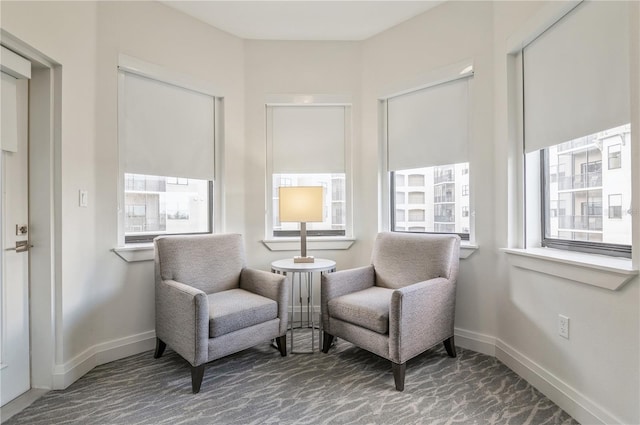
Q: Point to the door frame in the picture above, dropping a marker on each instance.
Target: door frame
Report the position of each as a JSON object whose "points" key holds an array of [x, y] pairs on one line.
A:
{"points": [[45, 276]]}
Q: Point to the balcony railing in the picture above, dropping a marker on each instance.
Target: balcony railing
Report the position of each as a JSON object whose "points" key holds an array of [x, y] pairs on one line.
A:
{"points": [[580, 222], [573, 144], [580, 181], [444, 198], [443, 178], [145, 224], [445, 219]]}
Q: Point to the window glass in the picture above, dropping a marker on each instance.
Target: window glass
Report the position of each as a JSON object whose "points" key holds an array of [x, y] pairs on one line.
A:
{"points": [[615, 206], [334, 215], [615, 156], [573, 208], [158, 205], [435, 207]]}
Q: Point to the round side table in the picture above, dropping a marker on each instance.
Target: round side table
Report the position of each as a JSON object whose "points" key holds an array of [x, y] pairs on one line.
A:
{"points": [[304, 272]]}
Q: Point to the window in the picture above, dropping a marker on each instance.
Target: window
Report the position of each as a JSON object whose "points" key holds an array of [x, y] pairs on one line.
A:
{"points": [[400, 198], [416, 180], [167, 150], [416, 198], [465, 190], [416, 215], [570, 136], [438, 203], [307, 146], [615, 206], [427, 142], [615, 156], [572, 205], [334, 216], [154, 207]]}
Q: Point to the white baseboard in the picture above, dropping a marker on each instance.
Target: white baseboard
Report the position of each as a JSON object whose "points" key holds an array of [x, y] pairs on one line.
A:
{"points": [[568, 398], [576, 404], [475, 341], [105, 352]]}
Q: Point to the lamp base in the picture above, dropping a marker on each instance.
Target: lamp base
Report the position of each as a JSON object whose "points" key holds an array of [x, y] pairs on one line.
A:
{"points": [[298, 259]]}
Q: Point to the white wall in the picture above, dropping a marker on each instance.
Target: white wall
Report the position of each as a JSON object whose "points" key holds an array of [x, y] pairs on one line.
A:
{"points": [[401, 58], [104, 302], [288, 68], [599, 366]]}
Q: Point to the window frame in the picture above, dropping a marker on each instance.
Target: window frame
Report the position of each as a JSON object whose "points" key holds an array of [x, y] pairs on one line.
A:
{"points": [[590, 247], [386, 178], [344, 101], [392, 213], [619, 146], [216, 195]]}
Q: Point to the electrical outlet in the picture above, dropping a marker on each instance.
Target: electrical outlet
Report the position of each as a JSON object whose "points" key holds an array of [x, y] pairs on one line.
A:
{"points": [[563, 326]]}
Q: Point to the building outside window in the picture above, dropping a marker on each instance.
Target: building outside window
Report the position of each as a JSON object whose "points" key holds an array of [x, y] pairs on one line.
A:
{"points": [[334, 215], [441, 210], [573, 206], [155, 207]]}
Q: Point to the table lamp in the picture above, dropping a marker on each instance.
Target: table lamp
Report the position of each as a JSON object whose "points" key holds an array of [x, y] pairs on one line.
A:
{"points": [[302, 204]]}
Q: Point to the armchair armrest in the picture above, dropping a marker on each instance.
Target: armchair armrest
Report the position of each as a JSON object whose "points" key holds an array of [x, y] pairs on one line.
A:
{"points": [[182, 320], [269, 285], [342, 283], [421, 315]]}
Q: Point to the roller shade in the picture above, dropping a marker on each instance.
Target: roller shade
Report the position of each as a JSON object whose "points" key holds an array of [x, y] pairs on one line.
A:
{"points": [[308, 139], [165, 130], [429, 127], [576, 75]]}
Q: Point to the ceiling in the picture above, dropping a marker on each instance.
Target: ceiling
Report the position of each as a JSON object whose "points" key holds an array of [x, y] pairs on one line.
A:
{"points": [[303, 20]]}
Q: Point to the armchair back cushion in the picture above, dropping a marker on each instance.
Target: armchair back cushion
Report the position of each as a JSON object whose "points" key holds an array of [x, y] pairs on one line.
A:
{"points": [[211, 263], [402, 259]]}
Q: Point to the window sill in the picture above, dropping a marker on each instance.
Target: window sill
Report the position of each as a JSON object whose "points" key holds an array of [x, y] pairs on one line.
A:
{"points": [[466, 249], [313, 244], [135, 252], [596, 270]]}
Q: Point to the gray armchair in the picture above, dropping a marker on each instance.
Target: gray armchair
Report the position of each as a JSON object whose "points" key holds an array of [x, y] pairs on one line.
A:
{"points": [[399, 306], [210, 305]]}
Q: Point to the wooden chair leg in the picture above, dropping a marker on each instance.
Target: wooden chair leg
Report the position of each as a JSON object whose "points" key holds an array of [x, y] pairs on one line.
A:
{"points": [[281, 342], [450, 346], [398, 374], [326, 342], [197, 373], [160, 346]]}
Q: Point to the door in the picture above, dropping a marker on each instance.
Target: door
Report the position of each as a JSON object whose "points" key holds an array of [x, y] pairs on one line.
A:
{"points": [[14, 290]]}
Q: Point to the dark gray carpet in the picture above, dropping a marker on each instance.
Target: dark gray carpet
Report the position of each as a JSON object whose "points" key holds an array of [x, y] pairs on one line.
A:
{"points": [[257, 386]]}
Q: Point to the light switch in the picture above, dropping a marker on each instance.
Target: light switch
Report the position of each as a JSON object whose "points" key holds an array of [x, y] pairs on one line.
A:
{"points": [[83, 198]]}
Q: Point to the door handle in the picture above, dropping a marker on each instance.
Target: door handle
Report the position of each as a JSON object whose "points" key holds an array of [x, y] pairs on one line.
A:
{"points": [[21, 246]]}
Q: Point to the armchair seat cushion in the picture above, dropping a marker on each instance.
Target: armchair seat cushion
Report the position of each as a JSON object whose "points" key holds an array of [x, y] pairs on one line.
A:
{"points": [[237, 309], [368, 308]]}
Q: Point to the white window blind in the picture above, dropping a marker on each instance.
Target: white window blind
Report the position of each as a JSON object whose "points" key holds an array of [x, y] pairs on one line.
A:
{"points": [[165, 130], [429, 127], [576, 75], [307, 139]]}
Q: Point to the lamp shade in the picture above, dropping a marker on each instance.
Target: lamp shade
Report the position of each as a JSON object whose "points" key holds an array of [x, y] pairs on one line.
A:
{"points": [[301, 203]]}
